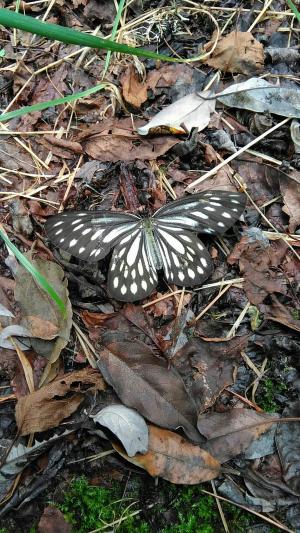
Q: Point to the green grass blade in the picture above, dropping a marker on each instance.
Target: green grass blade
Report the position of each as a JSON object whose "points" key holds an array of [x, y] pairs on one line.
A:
{"points": [[294, 9], [50, 103], [55, 32], [113, 34], [35, 273]]}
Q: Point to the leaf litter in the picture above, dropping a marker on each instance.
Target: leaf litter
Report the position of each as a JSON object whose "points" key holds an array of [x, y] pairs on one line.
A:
{"points": [[186, 385]]}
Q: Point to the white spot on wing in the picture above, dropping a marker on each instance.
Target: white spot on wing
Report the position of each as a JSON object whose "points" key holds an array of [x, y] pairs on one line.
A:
{"points": [[172, 241], [144, 285], [133, 250], [133, 288], [199, 214], [123, 289], [73, 242]]}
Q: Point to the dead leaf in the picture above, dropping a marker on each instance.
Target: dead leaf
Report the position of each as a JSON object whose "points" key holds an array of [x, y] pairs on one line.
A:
{"points": [[115, 140], [188, 112], [127, 424], [144, 382], [47, 407], [53, 521], [277, 312], [208, 367], [288, 446], [173, 458], [135, 92], [238, 52], [40, 315], [291, 193], [257, 264], [229, 434], [63, 148]]}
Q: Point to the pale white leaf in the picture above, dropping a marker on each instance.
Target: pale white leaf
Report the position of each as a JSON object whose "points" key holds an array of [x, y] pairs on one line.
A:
{"points": [[258, 95], [192, 111], [127, 424]]}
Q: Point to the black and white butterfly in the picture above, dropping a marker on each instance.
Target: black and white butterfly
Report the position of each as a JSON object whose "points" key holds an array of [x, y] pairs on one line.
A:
{"points": [[141, 246]]}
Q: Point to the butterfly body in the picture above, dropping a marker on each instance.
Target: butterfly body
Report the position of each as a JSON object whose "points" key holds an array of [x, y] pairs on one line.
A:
{"points": [[141, 246]]}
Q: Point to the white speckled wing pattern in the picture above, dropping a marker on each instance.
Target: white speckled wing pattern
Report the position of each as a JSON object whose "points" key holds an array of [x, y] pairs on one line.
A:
{"points": [[166, 240]]}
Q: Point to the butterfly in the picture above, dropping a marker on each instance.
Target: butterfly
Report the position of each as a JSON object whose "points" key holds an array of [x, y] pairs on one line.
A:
{"points": [[141, 246]]}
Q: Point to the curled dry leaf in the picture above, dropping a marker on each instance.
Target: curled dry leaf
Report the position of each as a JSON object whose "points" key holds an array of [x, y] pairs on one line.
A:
{"points": [[188, 112], [229, 434], [144, 382], [127, 424], [47, 407], [173, 458], [237, 52], [288, 446]]}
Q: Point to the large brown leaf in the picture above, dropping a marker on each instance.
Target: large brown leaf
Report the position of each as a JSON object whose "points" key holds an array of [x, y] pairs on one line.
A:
{"points": [[237, 52], [208, 367], [171, 457], [47, 407], [144, 382], [230, 434]]}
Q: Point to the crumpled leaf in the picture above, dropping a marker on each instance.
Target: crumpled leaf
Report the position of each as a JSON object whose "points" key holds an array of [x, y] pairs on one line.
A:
{"points": [[39, 314], [237, 52], [265, 98], [45, 408], [53, 521], [127, 424], [173, 458], [191, 111], [229, 434], [145, 382], [18, 457]]}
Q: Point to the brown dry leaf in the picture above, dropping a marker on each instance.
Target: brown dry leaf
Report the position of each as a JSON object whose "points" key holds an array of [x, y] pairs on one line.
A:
{"points": [[237, 52], [47, 407], [173, 458], [135, 92], [257, 262], [208, 367], [53, 521], [60, 147], [114, 140], [291, 195], [144, 382], [230, 434]]}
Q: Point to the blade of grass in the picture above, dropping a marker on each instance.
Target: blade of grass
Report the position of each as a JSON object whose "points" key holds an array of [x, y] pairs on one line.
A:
{"points": [[294, 9], [38, 277], [50, 103], [55, 32], [113, 34]]}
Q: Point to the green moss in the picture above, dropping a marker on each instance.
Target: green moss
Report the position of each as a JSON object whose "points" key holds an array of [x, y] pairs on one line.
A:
{"points": [[87, 507], [268, 389]]}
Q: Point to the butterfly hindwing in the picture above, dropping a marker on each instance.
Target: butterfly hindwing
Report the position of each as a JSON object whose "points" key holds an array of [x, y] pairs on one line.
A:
{"points": [[132, 275], [186, 261], [212, 212], [89, 235]]}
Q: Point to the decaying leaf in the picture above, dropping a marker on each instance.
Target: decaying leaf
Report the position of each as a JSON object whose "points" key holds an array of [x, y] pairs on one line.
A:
{"points": [[115, 140], [229, 434], [39, 313], [208, 367], [288, 446], [188, 112], [47, 407], [130, 427], [258, 95], [277, 312], [14, 459], [144, 382], [237, 52], [257, 264], [173, 458]]}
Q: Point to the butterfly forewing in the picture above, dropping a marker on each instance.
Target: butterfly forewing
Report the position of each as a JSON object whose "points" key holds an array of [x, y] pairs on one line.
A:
{"points": [[186, 262], [212, 212], [89, 235], [132, 275]]}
